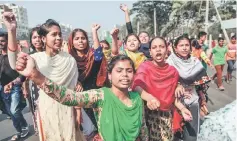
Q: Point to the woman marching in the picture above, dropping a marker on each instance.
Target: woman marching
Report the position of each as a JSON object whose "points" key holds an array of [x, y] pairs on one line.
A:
{"points": [[119, 113], [30, 90], [143, 35], [91, 66], [159, 79], [231, 58], [132, 43], [55, 121], [192, 74]]}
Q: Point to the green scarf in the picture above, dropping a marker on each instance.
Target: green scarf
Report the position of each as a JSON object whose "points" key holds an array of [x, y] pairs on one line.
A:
{"points": [[119, 122]]}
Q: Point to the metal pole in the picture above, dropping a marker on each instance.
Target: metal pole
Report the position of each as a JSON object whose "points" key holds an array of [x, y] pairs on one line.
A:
{"points": [[138, 27], [219, 17], [206, 19], [155, 21]]}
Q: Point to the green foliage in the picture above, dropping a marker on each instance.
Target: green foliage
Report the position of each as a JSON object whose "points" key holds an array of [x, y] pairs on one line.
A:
{"points": [[145, 14]]}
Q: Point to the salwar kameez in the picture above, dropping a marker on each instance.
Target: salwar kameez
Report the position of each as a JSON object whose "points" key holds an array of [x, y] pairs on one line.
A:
{"points": [[116, 121]]}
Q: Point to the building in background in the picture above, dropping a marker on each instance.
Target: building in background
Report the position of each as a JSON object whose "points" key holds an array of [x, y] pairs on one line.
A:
{"points": [[21, 18], [66, 29]]}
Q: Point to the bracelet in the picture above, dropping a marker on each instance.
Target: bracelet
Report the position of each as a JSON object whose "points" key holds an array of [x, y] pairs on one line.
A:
{"points": [[12, 50], [77, 108]]}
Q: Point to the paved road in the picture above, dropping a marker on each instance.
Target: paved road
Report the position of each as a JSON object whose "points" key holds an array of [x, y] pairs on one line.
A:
{"points": [[217, 100]]}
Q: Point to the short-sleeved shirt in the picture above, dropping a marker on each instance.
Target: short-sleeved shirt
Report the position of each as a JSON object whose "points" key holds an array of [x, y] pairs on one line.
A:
{"points": [[219, 55], [204, 47]]}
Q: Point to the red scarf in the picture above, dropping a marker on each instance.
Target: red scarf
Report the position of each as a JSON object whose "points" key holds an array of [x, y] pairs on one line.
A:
{"points": [[160, 82]]}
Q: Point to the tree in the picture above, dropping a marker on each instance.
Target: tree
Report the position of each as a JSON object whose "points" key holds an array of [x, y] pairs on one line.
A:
{"points": [[190, 12], [144, 11]]}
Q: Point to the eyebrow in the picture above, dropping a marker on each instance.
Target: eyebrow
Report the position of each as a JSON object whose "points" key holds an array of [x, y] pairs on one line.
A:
{"points": [[123, 68]]}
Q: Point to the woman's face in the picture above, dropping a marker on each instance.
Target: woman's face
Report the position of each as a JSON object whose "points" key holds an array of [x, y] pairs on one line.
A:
{"points": [[122, 75], [36, 40], [144, 38], [183, 48], [132, 43], [104, 46], [80, 42], [158, 50], [53, 39]]}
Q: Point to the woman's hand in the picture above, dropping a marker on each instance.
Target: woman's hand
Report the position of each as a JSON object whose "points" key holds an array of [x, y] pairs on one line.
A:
{"points": [[79, 87], [186, 114], [9, 20], [124, 7], [153, 103], [25, 64], [114, 33], [179, 91]]}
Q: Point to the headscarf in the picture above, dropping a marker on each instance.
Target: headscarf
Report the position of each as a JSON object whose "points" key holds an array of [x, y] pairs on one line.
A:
{"points": [[85, 63], [160, 82]]}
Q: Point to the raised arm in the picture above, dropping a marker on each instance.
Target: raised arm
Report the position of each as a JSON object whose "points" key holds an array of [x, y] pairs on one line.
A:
{"points": [[125, 9], [26, 66], [115, 49], [9, 20], [96, 42]]}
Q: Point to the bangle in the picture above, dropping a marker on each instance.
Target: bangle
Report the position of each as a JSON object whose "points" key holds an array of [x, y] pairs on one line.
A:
{"points": [[11, 50], [77, 108]]}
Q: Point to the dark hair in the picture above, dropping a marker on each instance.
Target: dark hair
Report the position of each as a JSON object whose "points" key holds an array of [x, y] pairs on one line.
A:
{"points": [[220, 38], [181, 38], [202, 33], [44, 28], [83, 32], [5, 35], [104, 41], [35, 29], [194, 43], [143, 32], [234, 36], [166, 45], [132, 34], [118, 58]]}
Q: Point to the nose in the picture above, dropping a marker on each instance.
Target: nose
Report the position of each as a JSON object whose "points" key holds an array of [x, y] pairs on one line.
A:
{"points": [[125, 73], [58, 37]]}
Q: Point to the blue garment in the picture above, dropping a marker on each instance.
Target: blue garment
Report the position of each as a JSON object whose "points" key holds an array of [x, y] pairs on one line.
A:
{"points": [[98, 54], [220, 125], [144, 48], [15, 103], [231, 64]]}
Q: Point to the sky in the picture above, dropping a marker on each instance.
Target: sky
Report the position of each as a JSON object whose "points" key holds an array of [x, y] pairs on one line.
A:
{"points": [[80, 14]]}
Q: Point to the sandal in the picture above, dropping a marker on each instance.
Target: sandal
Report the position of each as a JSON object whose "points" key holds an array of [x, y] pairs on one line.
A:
{"points": [[15, 137], [221, 88]]}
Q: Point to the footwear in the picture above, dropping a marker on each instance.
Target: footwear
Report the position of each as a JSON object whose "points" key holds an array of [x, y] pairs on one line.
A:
{"points": [[8, 117], [16, 137], [25, 131], [221, 88]]}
